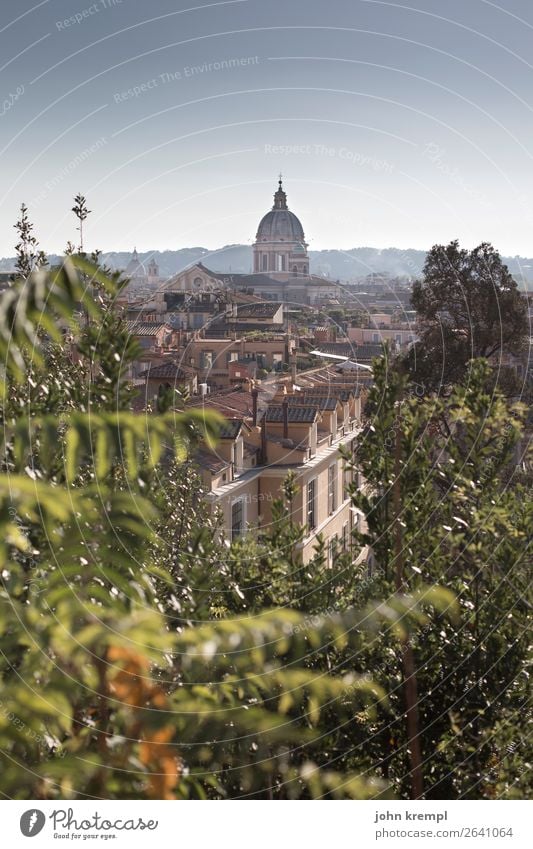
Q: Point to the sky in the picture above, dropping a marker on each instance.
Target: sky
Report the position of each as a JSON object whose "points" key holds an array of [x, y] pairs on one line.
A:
{"points": [[394, 124]]}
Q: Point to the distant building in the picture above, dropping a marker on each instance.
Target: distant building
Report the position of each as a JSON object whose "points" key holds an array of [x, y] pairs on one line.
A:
{"points": [[168, 375], [213, 357], [280, 249], [398, 338], [153, 273], [280, 263], [195, 278], [140, 276]]}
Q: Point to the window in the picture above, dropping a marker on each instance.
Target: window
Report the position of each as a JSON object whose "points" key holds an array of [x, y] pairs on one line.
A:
{"points": [[332, 549], [332, 488], [345, 537], [237, 519], [311, 504], [347, 479], [206, 359], [233, 356], [264, 261]]}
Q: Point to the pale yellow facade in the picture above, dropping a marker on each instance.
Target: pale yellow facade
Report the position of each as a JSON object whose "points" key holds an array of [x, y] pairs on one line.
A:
{"points": [[244, 496]]}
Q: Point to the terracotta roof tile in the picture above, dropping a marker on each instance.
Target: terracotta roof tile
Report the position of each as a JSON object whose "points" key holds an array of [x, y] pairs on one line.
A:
{"points": [[170, 371], [146, 328], [295, 413], [230, 429]]}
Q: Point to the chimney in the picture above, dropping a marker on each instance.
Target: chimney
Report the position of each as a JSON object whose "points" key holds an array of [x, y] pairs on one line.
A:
{"points": [[293, 368], [255, 393], [285, 408], [263, 440]]}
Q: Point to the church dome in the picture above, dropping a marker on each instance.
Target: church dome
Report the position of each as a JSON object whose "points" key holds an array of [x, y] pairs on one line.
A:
{"points": [[280, 224], [135, 268]]}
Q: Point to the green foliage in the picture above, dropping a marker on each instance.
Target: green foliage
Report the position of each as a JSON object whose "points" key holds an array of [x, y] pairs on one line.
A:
{"points": [[269, 730], [34, 307], [29, 255], [460, 523]]}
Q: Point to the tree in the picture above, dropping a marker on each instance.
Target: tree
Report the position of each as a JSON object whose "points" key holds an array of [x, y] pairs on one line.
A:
{"points": [[468, 306], [29, 255], [81, 212], [461, 521]]}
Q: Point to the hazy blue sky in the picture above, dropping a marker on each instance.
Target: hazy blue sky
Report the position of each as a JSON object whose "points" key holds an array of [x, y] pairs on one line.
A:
{"points": [[398, 124]]}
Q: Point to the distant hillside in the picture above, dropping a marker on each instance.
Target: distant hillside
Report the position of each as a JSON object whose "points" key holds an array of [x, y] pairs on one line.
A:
{"points": [[339, 265]]}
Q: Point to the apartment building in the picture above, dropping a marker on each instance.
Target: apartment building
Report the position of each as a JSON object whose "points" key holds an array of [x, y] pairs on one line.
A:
{"points": [[400, 337], [211, 358], [295, 429], [159, 377]]}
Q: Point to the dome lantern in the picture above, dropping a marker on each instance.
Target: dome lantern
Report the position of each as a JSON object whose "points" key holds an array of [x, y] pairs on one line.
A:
{"points": [[280, 198]]}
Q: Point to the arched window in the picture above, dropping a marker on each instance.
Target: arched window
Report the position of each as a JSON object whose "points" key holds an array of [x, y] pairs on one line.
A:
{"points": [[295, 270], [198, 281], [306, 270]]}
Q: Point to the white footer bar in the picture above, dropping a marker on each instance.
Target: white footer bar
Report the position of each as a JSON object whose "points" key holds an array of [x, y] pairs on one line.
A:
{"points": [[268, 825]]}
